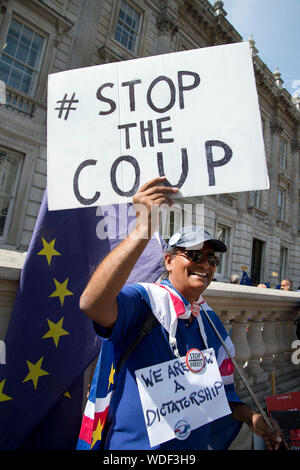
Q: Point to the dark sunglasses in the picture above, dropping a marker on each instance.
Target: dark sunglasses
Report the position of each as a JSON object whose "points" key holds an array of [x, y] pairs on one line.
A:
{"points": [[196, 256]]}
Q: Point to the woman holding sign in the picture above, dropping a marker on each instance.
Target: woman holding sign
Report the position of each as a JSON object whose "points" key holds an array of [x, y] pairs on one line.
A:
{"points": [[175, 390]]}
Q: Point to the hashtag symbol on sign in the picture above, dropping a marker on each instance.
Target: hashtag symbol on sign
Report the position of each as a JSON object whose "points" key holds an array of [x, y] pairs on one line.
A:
{"points": [[66, 105]]}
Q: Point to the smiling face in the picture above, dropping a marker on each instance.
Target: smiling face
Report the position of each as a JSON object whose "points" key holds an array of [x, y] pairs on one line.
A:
{"points": [[188, 277]]}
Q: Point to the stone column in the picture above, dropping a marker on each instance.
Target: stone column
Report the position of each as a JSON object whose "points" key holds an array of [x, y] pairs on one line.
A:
{"points": [[84, 42], [276, 129], [257, 347], [167, 27], [282, 359], [271, 342], [226, 319], [240, 341], [295, 148], [291, 337], [5, 15]]}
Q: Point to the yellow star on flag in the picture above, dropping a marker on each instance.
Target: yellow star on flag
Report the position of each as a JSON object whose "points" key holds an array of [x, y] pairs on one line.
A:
{"points": [[35, 372], [49, 250], [67, 394], [111, 376], [97, 433], [55, 331], [3, 397], [61, 290]]}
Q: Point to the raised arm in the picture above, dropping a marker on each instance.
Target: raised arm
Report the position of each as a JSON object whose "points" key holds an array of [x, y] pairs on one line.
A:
{"points": [[98, 300]]}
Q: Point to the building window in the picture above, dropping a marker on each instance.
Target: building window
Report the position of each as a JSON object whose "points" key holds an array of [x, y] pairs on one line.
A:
{"points": [[283, 154], [222, 233], [21, 57], [255, 199], [10, 165], [128, 26], [283, 262], [281, 204]]}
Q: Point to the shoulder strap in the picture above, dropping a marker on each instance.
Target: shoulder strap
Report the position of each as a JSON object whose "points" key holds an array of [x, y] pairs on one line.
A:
{"points": [[148, 324]]}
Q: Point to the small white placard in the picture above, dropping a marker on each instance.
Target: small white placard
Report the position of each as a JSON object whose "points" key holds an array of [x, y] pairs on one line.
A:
{"points": [[192, 116], [176, 400]]}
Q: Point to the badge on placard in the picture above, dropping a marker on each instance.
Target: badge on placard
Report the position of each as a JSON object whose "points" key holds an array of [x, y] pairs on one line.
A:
{"points": [[182, 429], [195, 360]]}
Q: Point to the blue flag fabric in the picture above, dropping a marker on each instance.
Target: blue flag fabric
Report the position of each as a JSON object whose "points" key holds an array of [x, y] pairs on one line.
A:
{"points": [[50, 342], [245, 281]]}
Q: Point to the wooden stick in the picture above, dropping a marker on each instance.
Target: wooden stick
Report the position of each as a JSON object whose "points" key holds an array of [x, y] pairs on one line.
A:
{"points": [[254, 398], [273, 382]]}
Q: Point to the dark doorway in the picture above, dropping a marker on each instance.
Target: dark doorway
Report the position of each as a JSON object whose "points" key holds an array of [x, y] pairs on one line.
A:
{"points": [[257, 254]]}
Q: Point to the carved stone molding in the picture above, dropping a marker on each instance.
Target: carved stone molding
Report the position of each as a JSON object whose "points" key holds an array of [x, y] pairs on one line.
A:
{"points": [[62, 23], [254, 50], [108, 55], [197, 20], [218, 7], [166, 24], [295, 145], [276, 126], [3, 6], [4, 3], [61, 28]]}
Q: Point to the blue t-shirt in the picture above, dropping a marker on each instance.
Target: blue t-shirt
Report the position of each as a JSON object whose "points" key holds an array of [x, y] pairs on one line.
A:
{"points": [[125, 422]]}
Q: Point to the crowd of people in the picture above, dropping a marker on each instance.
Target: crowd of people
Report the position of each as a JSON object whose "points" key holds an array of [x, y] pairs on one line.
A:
{"points": [[286, 284]]}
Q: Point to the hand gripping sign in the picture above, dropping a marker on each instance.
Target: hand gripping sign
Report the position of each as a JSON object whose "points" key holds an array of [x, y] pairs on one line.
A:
{"points": [[192, 116]]}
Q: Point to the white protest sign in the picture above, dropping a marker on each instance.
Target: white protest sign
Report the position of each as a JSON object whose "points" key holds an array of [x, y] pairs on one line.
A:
{"points": [[176, 400], [192, 116]]}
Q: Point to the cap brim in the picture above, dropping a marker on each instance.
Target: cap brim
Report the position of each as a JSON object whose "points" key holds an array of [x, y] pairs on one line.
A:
{"points": [[218, 245], [195, 239]]}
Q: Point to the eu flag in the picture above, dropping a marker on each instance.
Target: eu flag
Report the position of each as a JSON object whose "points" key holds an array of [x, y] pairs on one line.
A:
{"points": [[50, 342], [245, 281]]}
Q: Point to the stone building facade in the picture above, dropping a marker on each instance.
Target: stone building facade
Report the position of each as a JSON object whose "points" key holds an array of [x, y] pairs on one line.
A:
{"points": [[39, 37]]}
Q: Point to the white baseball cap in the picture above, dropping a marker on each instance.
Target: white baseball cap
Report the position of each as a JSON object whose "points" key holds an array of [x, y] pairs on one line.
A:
{"points": [[193, 238]]}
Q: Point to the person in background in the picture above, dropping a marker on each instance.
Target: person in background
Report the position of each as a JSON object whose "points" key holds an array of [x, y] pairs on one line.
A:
{"points": [[262, 285], [286, 284], [234, 279]]}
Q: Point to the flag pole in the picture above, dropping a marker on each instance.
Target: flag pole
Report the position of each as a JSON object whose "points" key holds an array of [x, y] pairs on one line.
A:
{"points": [[254, 398], [273, 382]]}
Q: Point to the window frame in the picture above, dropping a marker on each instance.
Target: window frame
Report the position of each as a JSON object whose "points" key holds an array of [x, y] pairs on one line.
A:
{"points": [[136, 49], [281, 209], [37, 72], [283, 155], [283, 262], [13, 197], [255, 199], [222, 267]]}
